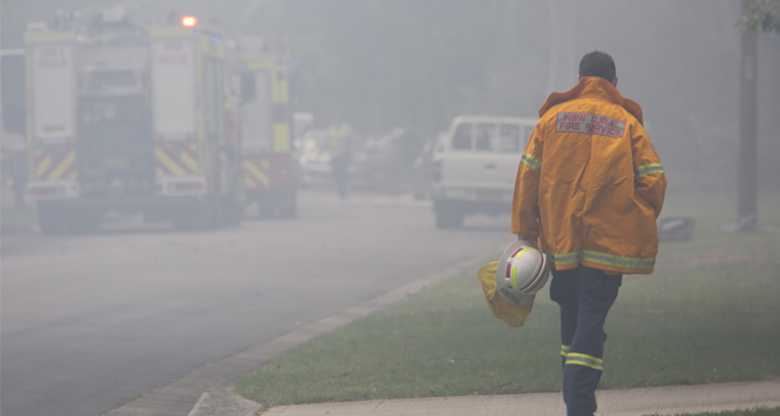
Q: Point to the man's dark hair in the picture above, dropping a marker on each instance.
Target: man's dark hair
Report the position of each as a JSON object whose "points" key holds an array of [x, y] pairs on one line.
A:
{"points": [[597, 64]]}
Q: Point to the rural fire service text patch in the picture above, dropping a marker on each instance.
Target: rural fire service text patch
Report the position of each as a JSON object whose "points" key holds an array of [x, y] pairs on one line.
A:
{"points": [[590, 124]]}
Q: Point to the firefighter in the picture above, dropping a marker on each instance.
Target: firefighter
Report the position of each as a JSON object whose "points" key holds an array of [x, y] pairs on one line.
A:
{"points": [[339, 147], [589, 189]]}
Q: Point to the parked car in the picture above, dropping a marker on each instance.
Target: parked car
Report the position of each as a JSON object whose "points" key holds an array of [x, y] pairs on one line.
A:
{"points": [[314, 158], [475, 166], [385, 163]]}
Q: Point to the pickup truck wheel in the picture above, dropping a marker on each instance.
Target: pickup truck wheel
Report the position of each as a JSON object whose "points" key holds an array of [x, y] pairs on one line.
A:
{"points": [[449, 218]]}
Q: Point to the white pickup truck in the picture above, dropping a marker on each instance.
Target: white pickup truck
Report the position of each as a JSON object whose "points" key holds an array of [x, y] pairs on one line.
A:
{"points": [[475, 166]]}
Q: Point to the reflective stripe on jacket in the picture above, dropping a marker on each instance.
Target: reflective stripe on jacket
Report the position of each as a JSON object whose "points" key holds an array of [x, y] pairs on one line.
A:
{"points": [[590, 185]]}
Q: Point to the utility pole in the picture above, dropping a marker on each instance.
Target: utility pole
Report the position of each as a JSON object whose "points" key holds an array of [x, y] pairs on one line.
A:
{"points": [[747, 165]]}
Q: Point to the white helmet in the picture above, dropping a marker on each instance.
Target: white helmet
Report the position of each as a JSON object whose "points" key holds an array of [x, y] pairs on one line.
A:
{"points": [[522, 271]]}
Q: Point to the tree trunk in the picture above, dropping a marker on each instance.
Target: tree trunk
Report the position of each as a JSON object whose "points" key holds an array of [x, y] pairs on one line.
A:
{"points": [[747, 175]]}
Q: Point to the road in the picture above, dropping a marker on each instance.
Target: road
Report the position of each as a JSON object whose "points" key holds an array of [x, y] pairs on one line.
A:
{"points": [[91, 322]]}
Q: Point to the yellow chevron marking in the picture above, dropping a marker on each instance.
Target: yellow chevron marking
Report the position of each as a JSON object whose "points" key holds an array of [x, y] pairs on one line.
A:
{"points": [[187, 159], [256, 173], [163, 158], [65, 164], [42, 167]]}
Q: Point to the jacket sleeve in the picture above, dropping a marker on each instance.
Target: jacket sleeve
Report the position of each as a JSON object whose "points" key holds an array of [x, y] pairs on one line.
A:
{"points": [[525, 204], [649, 178]]}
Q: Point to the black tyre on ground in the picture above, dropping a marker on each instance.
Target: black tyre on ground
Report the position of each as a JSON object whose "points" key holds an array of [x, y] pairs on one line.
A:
{"points": [[448, 216]]}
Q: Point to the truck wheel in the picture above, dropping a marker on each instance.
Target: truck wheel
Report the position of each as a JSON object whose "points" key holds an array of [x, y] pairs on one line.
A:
{"points": [[448, 217], [288, 212], [290, 209], [50, 222], [203, 216], [266, 210], [237, 203], [233, 211], [86, 222]]}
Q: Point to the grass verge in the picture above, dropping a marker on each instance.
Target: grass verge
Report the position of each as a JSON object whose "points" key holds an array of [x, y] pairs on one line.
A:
{"points": [[703, 323], [711, 324]]}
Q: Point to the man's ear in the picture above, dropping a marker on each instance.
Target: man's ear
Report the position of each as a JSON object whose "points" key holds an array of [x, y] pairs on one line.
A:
{"points": [[579, 77], [614, 82]]}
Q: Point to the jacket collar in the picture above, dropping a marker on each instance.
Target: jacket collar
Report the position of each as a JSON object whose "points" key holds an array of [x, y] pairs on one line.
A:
{"points": [[593, 86]]}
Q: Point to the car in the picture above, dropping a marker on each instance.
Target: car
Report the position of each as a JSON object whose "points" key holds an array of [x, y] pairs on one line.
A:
{"points": [[474, 167], [314, 158]]}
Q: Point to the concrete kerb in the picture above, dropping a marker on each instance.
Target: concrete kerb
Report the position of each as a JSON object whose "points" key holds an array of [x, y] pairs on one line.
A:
{"points": [[667, 400], [208, 390]]}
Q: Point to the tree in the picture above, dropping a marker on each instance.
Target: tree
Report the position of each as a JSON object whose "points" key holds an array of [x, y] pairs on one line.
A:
{"points": [[764, 14]]}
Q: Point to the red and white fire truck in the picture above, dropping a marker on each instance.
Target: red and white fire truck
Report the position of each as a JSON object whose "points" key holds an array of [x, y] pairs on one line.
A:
{"points": [[260, 75], [133, 120]]}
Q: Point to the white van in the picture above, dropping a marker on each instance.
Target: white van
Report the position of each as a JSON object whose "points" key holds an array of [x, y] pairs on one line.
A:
{"points": [[475, 166]]}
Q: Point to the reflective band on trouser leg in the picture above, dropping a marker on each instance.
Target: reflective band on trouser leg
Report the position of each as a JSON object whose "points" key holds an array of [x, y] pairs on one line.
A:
{"points": [[565, 350], [575, 358]]}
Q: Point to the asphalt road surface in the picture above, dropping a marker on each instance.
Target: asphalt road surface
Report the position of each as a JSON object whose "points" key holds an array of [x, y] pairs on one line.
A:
{"points": [[91, 322]]}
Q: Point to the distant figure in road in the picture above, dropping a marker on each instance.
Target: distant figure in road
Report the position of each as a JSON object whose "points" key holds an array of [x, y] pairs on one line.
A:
{"points": [[339, 146], [589, 189]]}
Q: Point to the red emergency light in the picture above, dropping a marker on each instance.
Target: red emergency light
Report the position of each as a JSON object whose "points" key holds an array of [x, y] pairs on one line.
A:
{"points": [[189, 21]]}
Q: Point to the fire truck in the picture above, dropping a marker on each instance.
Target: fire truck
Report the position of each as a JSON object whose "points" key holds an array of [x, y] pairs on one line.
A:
{"points": [[260, 74], [130, 119]]}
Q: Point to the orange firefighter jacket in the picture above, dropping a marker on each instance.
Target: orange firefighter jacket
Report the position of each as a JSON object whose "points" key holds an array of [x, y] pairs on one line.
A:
{"points": [[590, 185]]}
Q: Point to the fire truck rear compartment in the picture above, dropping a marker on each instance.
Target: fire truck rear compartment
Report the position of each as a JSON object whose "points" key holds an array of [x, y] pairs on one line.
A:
{"points": [[115, 147]]}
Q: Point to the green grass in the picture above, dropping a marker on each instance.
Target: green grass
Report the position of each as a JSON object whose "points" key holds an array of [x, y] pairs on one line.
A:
{"points": [[682, 325], [711, 212], [711, 324]]}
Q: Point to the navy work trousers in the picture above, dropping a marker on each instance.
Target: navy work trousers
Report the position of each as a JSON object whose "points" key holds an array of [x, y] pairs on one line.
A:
{"points": [[585, 295]]}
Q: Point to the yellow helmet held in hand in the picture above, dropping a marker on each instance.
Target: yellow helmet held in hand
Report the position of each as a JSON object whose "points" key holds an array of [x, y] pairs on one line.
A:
{"points": [[522, 271]]}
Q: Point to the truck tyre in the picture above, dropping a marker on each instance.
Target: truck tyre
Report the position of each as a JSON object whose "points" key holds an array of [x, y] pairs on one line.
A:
{"points": [[85, 222], [234, 205], [290, 209], [234, 212], [266, 209], [50, 221], [203, 216], [448, 217]]}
